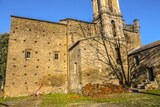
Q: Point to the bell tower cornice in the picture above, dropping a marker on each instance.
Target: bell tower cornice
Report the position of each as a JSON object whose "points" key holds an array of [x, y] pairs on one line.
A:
{"points": [[109, 7]]}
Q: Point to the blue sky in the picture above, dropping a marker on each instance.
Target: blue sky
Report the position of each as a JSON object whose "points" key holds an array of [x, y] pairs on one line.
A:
{"points": [[147, 11]]}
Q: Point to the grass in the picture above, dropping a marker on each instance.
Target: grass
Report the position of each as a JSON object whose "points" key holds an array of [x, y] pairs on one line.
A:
{"points": [[153, 91], [9, 99], [64, 99], [148, 99]]}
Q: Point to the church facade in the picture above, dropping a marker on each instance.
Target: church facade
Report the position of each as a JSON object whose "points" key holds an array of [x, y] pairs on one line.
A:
{"points": [[49, 57]]}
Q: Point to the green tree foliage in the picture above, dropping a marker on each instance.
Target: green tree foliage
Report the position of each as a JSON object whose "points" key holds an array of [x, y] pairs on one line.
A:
{"points": [[3, 54]]}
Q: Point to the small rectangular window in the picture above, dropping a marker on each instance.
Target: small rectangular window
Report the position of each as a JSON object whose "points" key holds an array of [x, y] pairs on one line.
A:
{"points": [[27, 54], [56, 55]]}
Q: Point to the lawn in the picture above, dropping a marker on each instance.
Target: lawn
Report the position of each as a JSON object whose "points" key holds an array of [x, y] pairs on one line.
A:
{"points": [[145, 99]]}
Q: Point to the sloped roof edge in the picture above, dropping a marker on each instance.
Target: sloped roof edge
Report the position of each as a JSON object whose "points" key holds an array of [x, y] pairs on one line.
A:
{"points": [[145, 47]]}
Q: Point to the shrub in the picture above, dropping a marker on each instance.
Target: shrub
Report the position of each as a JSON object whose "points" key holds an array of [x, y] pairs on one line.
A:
{"points": [[101, 90]]}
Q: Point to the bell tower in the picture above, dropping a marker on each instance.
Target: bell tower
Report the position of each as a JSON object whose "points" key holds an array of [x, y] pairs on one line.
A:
{"points": [[109, 6], [108, 16]]}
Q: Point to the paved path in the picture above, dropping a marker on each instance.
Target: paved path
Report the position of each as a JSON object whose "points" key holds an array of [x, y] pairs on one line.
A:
{"points": [[33, 102]]}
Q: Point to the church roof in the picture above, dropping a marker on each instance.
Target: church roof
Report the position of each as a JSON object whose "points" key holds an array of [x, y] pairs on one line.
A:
{"points": [[77, 20], [36, 19], [21, 17], [145, 47]]}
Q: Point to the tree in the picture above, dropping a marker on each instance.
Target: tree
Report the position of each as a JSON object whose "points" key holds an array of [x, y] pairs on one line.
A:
{"points": [[109, 51], [4, 38]]}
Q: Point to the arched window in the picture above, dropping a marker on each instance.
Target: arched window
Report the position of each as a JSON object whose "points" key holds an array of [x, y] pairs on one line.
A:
{"points": [[110, 5], [113, 28], [98, 4]]}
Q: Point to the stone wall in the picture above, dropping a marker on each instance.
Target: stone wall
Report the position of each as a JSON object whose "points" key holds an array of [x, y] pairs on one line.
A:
{"points": [[132, 36], [92, 63], [84, 38], [42, 39], [145, 66], [77, 30], [95, 69], [75, 73], [133, 40]]}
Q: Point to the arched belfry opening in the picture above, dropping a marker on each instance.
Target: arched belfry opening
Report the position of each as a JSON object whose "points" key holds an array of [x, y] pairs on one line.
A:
{"points": [[99, 5], [110, 5]]}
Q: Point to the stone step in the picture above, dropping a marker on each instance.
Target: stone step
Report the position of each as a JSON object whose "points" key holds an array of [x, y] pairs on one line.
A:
{"points": [[152, 85], [141, 86]]}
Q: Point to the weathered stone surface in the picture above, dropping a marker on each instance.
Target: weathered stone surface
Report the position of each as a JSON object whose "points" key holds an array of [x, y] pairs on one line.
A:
{"points": [[82, 57], [145, 65], [152, 86], [42, 39]]}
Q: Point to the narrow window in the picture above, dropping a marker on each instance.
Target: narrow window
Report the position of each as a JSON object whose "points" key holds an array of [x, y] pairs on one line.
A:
{"points": [[27, 54], [110, 5], [136, 59], [113, 28], [98, 3], [75, 67], [151, 74], [56, 55], [118, 55]]}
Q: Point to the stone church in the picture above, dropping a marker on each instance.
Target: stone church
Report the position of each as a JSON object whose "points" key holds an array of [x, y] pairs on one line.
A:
{"points": [[64, 56]]}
